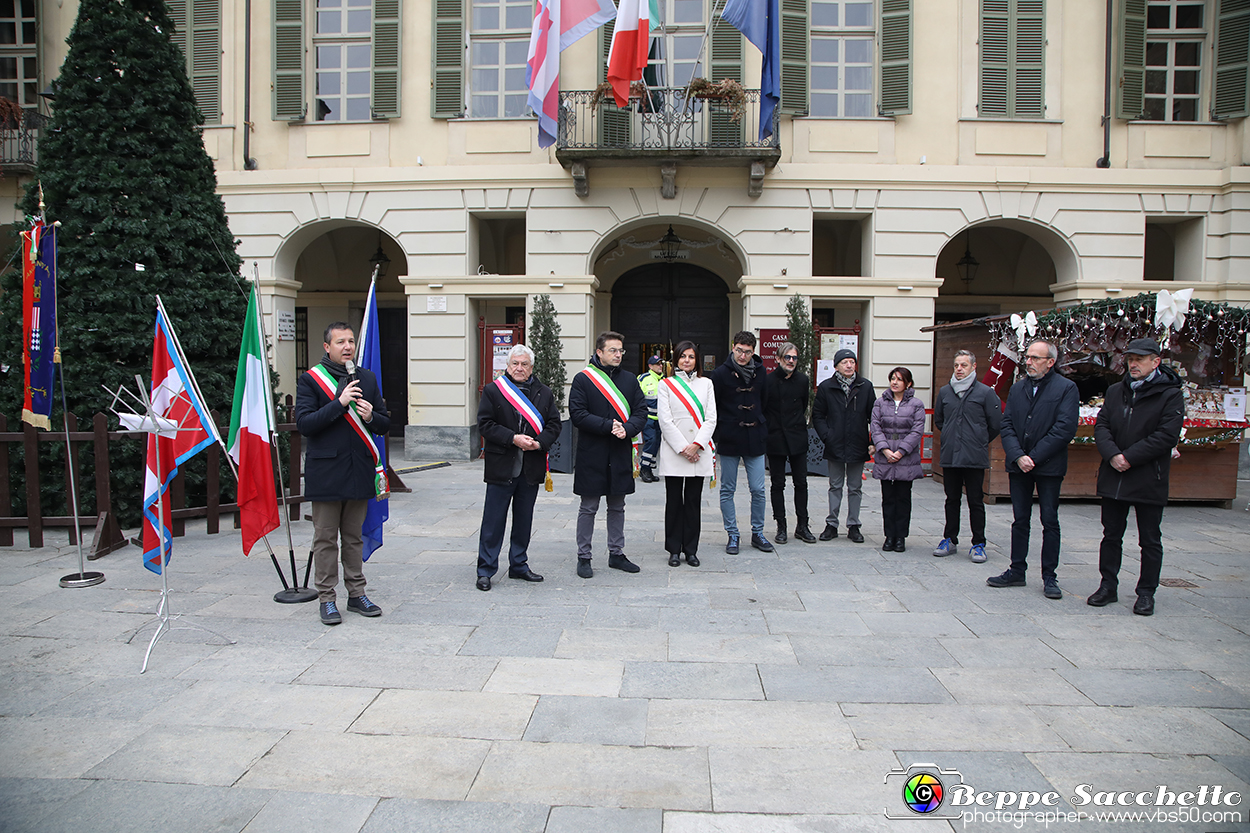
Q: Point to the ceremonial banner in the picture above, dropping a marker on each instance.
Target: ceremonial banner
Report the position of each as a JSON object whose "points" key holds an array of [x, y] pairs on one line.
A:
{"points": [[251, 427], [39, 347], [760, 22], [631, 42], [175, 398], [370, 355]]}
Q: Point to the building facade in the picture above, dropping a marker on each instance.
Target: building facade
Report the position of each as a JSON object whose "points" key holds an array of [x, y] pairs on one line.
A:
{"points": [[1074, 149]]}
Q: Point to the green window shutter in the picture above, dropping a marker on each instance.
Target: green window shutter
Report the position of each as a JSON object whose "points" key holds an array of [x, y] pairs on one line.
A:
{"points": [[447, 101], [1028, 56], [995, 58], [613, 121], [1131, 96], [794, 57], [197, 32], [386, 69], [895, 57], [1230, 96], [726, 54], [288, 60]]}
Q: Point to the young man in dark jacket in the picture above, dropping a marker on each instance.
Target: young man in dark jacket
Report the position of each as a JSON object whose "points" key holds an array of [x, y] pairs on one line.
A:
{"points": [[741, 435], [789, 390], [968, 415], [339, 411], [518, 421], [1040, 420], [840, 415], [1136, 430]]}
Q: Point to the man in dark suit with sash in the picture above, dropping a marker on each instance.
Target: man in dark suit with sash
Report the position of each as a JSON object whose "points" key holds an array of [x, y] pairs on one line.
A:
{"points": [[338, 411], [609, 410], [518, 421]]}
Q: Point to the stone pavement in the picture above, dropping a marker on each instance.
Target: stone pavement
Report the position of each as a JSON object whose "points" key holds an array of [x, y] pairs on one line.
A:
{"points": [[758, 693]]}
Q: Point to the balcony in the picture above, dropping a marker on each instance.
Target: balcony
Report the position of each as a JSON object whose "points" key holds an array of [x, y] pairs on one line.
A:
{"points": [[19, 142], [664, 126]]}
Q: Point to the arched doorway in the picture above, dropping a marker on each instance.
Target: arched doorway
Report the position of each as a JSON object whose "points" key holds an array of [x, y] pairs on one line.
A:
{"points": [[671, 302]]}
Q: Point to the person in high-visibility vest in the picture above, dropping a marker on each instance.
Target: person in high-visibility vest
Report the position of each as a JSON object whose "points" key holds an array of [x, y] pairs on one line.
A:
{"points": [[650, 384]]}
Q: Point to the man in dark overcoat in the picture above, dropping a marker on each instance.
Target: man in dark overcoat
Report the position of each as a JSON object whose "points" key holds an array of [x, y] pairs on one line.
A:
{"points": [[342, 417], [518, 421], [741, 436], [608, 409], [840, 415], [968, 416], [1042, 413], [1138, 426], [788, 391]]}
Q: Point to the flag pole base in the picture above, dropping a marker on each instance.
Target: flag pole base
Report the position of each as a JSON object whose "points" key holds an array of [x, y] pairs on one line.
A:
{"points": [[83, 579], [295, 595]]}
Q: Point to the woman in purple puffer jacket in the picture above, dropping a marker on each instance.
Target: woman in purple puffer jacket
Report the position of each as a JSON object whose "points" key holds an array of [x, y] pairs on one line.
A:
{"points": [[897, 428]]}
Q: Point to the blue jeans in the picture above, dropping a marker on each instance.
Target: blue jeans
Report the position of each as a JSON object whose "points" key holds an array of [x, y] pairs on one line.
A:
{"points": [[1022, 486], [729, 483]]}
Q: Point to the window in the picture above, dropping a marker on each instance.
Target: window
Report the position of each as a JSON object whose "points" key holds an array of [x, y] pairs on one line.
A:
{"points": [[356, 59], [197, 31], [19, 63], [1175, 36], [1013, 43], [675, 43], [301, 339], [842, 58], [499, 34]]}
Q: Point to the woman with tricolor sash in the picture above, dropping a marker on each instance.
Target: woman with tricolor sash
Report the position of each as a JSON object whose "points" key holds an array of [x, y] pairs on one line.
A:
{"points": [[687, 410]]}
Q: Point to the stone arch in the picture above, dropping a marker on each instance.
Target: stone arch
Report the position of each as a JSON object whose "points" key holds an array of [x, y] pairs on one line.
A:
{"points": [[333, 255], [612, 257]]}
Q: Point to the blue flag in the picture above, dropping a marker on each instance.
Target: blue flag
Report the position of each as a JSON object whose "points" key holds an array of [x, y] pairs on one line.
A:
{"points": [[760, 22], [370, 354]]}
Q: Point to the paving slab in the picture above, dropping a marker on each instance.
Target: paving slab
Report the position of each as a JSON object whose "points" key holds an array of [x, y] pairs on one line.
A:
{"points": [[406, 815], [1108, 687], [810, 649], [1186, 731], [604, 820], [596, 720], [26, 802], [953, 727], [680, 822], [1023, 686], [395, 670], [580, 677], [809, 781], [612, 643], [853, 684], [127, 806], [447, 714], [689, 680], [765, 724], [296, 812], [501, 640], [720, 647], [210, 755], [229, 703]]}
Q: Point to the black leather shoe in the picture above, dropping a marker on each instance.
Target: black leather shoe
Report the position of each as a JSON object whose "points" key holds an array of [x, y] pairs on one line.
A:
{"points": [[483, 583], [584, 570], [1103, 596], [804, 534], [692, 559], [646, 476], [731, 547], [780, 537], [674, 559], [900, 545], [761, 543], [524, 575], [1050, 588], [888, 546], [1007, 579], [855, 535], [829, 533], [1145, 604], [620, 562]]}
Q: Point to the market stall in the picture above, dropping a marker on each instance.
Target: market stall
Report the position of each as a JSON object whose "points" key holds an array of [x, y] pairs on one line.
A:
{"points": [[1204, 342]]}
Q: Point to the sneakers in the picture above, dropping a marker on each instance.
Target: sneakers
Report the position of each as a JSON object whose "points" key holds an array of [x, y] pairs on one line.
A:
{"points": [[330, 613], [830, 533], [1051, 588], [620, 562], [853, 533], [731, 547], [584, 570], [947, 547], [1007, 579], [761, 543], [363, 606], [977, 553]]}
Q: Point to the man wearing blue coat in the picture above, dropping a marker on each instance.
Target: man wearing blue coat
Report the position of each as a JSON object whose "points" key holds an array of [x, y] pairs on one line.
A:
{"points": [[339, 411], [1041, 417]]}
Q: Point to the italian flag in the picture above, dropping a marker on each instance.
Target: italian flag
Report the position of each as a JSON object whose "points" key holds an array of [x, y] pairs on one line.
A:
{"points": [[631, 41], [251, 425]]}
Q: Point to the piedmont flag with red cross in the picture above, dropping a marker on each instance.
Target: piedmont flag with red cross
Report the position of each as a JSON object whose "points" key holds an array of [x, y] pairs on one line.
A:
{"points": [[557, 25], [175, 397], [251, 426]]}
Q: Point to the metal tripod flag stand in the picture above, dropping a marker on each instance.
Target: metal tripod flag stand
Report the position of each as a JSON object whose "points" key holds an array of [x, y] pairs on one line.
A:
{"points": [[152, 423]]}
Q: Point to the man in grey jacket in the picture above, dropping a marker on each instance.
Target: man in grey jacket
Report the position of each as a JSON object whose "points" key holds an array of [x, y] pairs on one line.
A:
{"points": [[968, 414]]}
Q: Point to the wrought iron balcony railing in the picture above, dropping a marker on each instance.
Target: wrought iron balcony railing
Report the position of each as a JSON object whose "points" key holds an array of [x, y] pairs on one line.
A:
{"points": [[19, 141], [662, 122]]}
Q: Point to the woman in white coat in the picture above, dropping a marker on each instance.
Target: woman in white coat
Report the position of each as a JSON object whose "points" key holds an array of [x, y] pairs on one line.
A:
{"points": [[687, 411]]}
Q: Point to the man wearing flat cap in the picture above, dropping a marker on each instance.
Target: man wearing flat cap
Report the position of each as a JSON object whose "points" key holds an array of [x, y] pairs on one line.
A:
{"points": [[1136, 430]]}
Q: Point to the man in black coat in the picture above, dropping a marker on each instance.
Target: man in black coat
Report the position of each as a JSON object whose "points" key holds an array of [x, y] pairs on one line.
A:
{"points": [[1136, 430], [338, 411], [1042, 413], [840, 415], [608, 409], [741, 436], [788, 391], [518, 421], [969, 416]]}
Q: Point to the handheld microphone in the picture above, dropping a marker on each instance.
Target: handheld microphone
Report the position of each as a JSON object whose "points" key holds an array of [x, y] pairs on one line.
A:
{"points": [[351, 370]]}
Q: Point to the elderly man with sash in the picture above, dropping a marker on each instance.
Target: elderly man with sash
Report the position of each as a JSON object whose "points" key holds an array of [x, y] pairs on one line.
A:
{"points": [[518, 421], [338, 411], [608, 409]]}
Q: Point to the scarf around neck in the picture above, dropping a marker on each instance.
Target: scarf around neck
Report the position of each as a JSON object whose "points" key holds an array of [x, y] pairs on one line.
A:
{"points": [[962, 386]]}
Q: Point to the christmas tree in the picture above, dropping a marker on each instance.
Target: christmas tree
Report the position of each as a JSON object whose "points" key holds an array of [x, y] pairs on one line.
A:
{"points": [[544, 340]]}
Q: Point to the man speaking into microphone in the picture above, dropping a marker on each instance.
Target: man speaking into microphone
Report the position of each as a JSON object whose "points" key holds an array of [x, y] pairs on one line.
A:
{"points": [[339, 412]]}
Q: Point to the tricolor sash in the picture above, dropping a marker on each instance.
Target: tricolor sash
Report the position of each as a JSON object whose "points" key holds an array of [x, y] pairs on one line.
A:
{"points": [[609, 390], [687, 398], [326, 382], [517, 399]]}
